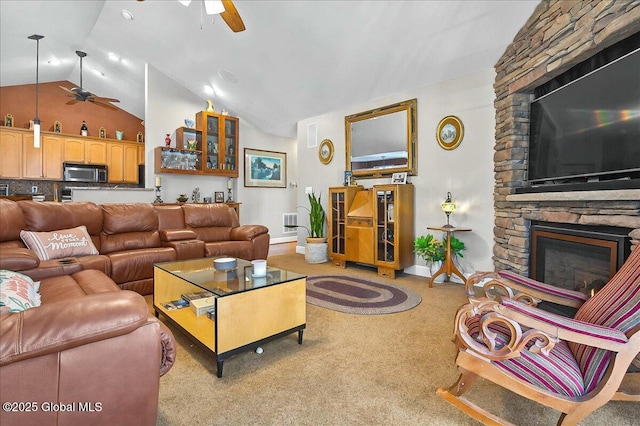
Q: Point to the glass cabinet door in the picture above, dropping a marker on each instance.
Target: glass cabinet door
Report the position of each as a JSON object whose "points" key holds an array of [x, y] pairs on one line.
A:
{"points": [[213, 131], [385, 224], [338, 217], [230, 143]]}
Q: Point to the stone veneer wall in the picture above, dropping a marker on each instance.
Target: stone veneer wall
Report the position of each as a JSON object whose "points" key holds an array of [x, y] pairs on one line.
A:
{"points": [[559, 35]]}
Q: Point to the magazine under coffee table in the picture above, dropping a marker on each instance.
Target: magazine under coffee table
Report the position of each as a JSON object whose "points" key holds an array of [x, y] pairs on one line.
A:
{"points": [[244, 312]]}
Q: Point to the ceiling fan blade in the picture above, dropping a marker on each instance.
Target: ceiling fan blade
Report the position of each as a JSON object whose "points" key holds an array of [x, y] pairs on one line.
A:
{"points": [[72, 101], [232, 17], [102, 104], [66, 89]]}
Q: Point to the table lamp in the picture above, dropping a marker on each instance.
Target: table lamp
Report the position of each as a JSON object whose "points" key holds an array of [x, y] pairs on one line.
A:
{"points": [[448, 207]]}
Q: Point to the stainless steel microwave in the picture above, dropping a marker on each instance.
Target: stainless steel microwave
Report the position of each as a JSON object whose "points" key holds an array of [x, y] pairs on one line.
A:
{"points": [[84, 173]]}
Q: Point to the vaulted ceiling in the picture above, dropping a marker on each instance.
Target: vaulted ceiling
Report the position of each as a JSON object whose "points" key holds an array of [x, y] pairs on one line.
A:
{"points": [[296, 59]]}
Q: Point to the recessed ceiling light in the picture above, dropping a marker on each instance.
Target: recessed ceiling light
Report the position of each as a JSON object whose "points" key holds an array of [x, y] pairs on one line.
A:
{"points": [[97, 71], [113, 56], [208, 90], [54, 62], [127, 15], [227, 76]]}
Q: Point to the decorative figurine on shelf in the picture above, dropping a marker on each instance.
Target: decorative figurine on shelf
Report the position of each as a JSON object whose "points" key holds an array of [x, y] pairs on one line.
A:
{"points": [[167, 140], [84, 131], [195, 197], [209, 105]]}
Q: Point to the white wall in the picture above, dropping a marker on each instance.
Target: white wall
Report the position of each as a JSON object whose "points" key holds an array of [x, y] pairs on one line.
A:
{"points": [[167, 105], [467, 171]]}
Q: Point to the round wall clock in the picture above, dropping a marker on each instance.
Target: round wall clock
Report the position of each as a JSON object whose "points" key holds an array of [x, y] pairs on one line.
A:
{"points": [[450, 132], [325, 152]]}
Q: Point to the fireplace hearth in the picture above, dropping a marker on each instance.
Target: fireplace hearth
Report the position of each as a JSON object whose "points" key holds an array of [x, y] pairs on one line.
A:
{"points": [[577, 257]]}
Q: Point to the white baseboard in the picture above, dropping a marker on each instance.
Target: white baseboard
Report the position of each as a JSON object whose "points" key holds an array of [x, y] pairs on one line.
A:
{"points": [[280, 240]]}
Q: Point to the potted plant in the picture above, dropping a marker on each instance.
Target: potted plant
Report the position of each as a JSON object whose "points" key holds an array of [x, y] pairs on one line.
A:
{"points": [[432, 251], [317, 249]]}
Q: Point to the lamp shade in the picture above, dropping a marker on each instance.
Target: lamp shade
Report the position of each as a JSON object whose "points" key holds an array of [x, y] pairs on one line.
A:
{"points": [[448, 206]]}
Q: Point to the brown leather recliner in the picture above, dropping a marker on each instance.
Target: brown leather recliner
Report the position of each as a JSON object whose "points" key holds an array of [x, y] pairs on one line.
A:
{"points": [[90, 354]]}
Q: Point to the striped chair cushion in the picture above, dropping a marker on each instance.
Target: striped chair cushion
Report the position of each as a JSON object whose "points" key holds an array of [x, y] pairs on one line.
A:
{"points": [[547, 288], [616, 305], [558, 372]]}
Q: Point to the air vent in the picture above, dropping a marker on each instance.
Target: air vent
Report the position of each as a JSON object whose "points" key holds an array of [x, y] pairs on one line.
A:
{"points": [[289, 219]]}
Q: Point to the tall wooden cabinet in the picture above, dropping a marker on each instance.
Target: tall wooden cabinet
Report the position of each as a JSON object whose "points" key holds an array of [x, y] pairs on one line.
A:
{"points": [[372, 226], [215, 151]]}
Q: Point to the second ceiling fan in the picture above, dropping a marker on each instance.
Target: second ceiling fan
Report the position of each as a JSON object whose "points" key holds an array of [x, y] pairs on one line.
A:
{"points": [[79, 94]]}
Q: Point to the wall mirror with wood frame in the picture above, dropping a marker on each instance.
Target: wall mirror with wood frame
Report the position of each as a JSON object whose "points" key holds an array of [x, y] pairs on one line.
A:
{"points": [[382, 141]]}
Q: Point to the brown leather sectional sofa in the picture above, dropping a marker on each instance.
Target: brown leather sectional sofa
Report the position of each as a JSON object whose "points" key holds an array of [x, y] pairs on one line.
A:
{"points": [[90, 353], [130, 237]]}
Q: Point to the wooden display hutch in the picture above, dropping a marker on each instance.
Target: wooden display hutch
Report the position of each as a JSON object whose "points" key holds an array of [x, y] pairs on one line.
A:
{"points": [[215, 152], [372, 226]]}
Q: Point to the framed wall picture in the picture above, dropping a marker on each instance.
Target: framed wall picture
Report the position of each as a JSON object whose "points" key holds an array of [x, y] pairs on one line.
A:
{"points": [[8, 120], [325, 152], [450, 132], [57, 127], [219, 197], [266, 169], [400, 178]]}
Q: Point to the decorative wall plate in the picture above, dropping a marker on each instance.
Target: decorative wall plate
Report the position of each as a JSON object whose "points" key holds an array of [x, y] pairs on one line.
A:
{"points": [[325, 152], [450, 132]]}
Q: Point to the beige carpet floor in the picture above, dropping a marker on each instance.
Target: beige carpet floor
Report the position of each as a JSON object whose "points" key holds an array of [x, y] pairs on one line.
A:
{"points": [[350, 370]]}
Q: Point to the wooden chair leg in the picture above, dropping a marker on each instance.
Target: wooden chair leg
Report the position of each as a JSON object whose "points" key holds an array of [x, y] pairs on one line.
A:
{"points": [[453, 396]]}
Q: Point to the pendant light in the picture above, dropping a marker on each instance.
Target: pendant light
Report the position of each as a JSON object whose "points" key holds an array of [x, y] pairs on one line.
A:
{"points": [[36, 120]]}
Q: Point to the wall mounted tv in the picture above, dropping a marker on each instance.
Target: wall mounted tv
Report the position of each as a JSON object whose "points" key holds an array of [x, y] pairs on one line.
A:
{"points": [[588, 131]]}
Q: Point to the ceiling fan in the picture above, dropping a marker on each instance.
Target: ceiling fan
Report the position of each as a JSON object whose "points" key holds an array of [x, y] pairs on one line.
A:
{"points": [[81, 95], [225, 9]]}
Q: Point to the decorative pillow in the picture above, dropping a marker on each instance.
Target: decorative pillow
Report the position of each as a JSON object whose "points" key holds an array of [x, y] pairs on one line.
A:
{"points": [[72, 242], [17, 292]]}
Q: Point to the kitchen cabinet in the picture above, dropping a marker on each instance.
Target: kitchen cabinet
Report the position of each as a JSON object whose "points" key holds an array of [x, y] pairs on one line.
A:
{"points": [[122, 162], [74, 150], [44, 162], [11, 149], [96, 152]]}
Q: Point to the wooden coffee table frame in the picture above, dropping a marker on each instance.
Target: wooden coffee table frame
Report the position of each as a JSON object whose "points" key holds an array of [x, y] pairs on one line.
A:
{"points": [[244, 320]]}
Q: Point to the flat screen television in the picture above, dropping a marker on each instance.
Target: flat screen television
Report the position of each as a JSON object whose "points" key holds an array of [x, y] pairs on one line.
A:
{"points": [[589, 129]]}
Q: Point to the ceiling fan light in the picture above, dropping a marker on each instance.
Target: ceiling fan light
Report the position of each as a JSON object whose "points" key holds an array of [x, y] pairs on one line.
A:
{"points": [[213, 7]]}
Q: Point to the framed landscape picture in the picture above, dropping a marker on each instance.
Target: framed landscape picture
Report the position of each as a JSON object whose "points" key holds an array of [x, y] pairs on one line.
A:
{"points": [[267, 169]]}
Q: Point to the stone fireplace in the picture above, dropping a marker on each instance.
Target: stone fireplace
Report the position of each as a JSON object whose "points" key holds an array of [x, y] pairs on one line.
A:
{"points": [[559, 35]]}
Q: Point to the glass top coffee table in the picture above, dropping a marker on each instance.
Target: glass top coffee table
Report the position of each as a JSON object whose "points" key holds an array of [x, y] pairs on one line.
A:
{"points": [[229, 311]]}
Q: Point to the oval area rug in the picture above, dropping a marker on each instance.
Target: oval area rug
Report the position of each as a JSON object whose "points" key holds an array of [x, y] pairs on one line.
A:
{"points": [[355, 295]]}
